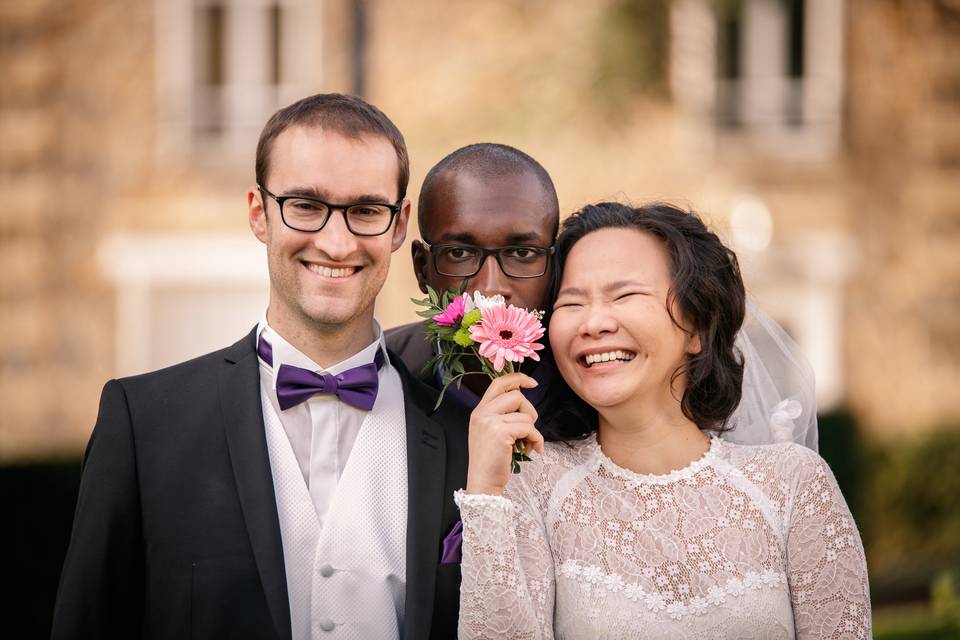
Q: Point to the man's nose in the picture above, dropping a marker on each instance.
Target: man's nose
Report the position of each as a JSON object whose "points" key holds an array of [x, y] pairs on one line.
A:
{"points": [[491, 280], [335, 239]]}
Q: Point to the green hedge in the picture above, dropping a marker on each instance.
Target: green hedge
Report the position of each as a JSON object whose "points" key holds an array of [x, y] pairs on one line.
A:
{"points": [[905, 497], [911, 512]]}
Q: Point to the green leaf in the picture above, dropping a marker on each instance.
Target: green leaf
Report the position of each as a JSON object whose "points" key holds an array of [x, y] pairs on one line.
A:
{"points": [[434, 297]]}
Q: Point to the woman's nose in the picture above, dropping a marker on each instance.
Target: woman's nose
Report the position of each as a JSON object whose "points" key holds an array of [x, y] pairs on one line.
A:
{"points": [[598, 321]]}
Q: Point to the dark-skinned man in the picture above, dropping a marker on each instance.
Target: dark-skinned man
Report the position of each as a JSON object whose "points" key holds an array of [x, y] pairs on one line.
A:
{"points": [[488, 215]]}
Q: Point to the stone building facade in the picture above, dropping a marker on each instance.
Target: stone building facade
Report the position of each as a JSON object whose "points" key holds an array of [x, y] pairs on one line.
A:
{"points": [[820, 137]]}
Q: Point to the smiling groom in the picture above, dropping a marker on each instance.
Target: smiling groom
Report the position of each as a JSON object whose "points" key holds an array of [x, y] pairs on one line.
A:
{"points": [[294, 485]]}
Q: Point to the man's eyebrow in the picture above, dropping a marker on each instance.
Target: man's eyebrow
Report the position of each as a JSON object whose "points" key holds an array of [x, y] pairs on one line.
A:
{"points": [[523, 238], [309, 192], [463, 237], [313, 192]]}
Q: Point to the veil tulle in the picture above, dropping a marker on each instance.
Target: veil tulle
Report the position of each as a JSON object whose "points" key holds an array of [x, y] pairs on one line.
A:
{"points": [[779, 401]]}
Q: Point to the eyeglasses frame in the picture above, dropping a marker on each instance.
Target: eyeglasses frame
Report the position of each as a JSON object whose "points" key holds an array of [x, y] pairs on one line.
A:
{"points": [[485, 253], [394, 210]]}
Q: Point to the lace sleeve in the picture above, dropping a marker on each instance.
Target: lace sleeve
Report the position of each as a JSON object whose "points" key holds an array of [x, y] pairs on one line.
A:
{"points": [[826, 566], [508, 578]]}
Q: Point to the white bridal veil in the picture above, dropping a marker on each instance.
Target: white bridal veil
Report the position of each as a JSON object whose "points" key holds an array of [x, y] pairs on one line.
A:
{"points": [[779, 402]]}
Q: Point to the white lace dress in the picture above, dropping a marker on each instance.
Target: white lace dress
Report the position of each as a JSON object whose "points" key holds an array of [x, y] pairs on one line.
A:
{"points": [[747, 542]]}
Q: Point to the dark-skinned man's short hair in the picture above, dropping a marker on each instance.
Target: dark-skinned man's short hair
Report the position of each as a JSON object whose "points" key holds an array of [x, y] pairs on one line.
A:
{"points": [[485, 160]]}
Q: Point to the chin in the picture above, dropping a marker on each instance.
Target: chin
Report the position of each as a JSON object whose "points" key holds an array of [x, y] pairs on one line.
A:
{"points": [[330, 311], [604, 399]]}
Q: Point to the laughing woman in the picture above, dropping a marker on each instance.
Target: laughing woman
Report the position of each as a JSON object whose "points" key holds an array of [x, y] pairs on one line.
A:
{"points": [[635, 520]]}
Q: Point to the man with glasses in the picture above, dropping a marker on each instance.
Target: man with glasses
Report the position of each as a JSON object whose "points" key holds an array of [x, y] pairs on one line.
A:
{"points": [[488, 215], [296, 484]]}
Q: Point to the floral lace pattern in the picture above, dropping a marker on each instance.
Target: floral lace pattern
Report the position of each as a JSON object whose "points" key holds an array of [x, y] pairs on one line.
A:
{"points": [[748, 541]]}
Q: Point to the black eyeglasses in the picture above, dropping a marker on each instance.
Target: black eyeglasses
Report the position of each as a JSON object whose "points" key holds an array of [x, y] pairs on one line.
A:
{"points": [[465, 260], [301, 213]]}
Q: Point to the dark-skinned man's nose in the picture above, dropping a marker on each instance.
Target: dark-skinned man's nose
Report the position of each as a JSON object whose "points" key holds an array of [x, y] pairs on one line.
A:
{"points": [[491, 280]]}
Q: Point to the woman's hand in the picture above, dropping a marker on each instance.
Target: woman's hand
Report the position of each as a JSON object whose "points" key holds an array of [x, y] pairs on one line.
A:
{"points": [[503, 417]]}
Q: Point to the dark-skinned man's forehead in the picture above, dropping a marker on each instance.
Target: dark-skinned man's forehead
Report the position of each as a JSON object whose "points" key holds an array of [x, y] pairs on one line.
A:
{"points": [[513, 208]]}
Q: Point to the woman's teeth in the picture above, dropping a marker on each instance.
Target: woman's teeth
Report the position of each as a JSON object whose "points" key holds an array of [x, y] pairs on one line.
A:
{"points": [[332, 273], [594, 358]]}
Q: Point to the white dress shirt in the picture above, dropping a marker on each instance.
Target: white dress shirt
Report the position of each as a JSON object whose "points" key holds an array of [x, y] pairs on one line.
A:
{"points": [[342, 516], [322, 429]]}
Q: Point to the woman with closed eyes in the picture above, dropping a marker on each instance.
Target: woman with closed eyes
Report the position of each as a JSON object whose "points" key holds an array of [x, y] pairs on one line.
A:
{"points": [[635, 519]]}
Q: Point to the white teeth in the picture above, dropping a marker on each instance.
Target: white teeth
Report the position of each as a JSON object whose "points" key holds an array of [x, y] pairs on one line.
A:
{"points": [[593, 358], [332, 273]]}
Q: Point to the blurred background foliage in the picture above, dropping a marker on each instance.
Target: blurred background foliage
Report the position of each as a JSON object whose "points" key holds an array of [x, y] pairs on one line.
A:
{"points": [[905, 497]]}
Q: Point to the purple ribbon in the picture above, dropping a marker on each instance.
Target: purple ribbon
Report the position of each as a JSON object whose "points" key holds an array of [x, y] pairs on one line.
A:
{"points": [[452, 545], [356, 387]]}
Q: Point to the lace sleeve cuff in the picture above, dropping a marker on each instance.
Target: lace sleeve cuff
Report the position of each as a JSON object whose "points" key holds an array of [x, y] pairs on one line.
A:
{"points": [[479, 501]]}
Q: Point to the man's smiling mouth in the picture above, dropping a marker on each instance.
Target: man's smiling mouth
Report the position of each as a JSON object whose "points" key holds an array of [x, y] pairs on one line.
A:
{"points": [[331, 272]]}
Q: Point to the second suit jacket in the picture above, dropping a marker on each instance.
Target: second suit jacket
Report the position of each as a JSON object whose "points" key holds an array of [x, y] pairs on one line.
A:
{"points": [[409, 341], [176, 533]]}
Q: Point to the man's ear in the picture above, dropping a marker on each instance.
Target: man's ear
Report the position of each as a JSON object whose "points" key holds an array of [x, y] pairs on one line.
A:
{"points": [[400, 227], [257, 215], [420, 259]]}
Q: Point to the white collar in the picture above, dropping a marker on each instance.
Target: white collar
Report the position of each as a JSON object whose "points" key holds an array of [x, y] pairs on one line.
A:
{"points": [[286, 353]]}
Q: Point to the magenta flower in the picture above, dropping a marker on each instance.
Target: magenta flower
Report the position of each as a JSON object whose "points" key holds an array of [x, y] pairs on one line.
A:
{"points": [[507, 334], [452, 314]]}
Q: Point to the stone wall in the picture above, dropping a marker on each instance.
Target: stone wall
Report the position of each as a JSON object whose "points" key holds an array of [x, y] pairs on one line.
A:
{"points": [[903, 140]]}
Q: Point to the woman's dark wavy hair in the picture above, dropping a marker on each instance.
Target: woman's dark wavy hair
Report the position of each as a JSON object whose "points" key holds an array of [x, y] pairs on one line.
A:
{"points": [[707, 292]]}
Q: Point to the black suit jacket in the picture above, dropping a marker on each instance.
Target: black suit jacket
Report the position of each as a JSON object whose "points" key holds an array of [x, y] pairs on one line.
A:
{"points": [[176, 533], [409, 341]]}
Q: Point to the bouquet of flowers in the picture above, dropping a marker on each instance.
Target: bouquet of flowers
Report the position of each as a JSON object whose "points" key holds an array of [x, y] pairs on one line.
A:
{"points": [[497, 335]]}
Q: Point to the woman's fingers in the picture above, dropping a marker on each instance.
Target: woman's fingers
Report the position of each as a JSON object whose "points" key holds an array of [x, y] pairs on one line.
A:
{"points": [[508, 402], [509, 382], [501, 419], [534, 440]]}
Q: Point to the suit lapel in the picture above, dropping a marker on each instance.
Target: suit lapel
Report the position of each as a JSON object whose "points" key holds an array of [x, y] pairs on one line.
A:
{"points": [[246, 441], [426, 471]]}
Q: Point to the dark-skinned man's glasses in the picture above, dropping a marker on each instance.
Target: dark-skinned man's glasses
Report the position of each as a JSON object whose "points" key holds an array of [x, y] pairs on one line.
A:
{"points": [[302, 213], [465, 260]]}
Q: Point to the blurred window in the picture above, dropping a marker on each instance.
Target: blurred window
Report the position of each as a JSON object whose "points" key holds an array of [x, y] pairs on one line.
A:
{"points": [[769, 70], [224, 66]]}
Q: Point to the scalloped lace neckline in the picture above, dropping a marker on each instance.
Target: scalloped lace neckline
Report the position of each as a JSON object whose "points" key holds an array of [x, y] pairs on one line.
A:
{"points": [[691, 469]]}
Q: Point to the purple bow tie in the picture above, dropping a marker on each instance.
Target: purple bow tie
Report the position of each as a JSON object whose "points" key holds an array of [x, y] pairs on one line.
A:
{"points": [[357, 387]]}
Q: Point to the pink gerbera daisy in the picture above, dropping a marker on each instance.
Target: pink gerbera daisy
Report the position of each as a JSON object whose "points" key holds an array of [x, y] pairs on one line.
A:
{"points": [[452, 314], [507, 334]]}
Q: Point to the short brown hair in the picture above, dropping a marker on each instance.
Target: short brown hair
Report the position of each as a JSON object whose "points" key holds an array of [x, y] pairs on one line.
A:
{"points": [[348, 115]]}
